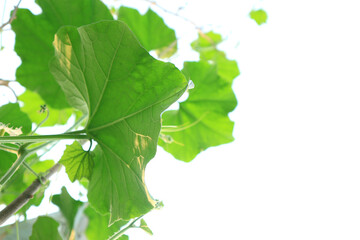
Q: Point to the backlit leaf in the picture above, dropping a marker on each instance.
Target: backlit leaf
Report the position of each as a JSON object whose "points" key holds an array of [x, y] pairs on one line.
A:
{"points": [[206, 45], [78, 163], [13, 117], [259, 16], [106, 74], [32, 102], [149, 28], [145, 227], [45, 228], [34, 37], [68, 206], [98, 226], [202, 120]]}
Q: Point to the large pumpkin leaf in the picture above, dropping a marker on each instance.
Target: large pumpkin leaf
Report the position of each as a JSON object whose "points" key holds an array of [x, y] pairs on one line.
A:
{"points": [[149, 28], [202, 120], [105, 73], [34, 37]]}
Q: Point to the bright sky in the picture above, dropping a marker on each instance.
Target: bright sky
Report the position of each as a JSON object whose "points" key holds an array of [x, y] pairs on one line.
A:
{"points": [[293, 171]]}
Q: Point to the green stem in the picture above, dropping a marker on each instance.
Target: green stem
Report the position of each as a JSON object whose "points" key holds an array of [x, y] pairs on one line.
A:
{"points": [[42, 138], [122, 231], [9, 149], [13, 169]]}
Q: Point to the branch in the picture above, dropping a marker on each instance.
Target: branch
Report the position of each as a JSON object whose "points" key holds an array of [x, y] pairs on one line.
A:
{"points": [[175, 14], [28, 194], [5, 83], [13, 16]]}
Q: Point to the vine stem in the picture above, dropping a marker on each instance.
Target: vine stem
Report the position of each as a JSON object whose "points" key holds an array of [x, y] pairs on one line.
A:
{"points": [[42, 138], [28, 194], [122, 231]]}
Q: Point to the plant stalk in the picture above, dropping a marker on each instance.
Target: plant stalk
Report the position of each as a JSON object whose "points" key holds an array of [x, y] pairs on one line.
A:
{"points": [[28, 194], [122, 231], [42, 138]]}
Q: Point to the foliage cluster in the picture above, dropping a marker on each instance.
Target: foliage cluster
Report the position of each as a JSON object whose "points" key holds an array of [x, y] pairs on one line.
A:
{"points": [[79, 59]]}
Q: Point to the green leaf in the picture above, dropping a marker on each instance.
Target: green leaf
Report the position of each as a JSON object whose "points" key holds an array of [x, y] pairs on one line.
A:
{"points": [[202, 120], [145, 227], [106, 74], [32, 102], [206, 45], [149, 28], [45, 228], [259, 16], [98, 226], [78, 163], [34, 37], [12, 116], [68, 206]]}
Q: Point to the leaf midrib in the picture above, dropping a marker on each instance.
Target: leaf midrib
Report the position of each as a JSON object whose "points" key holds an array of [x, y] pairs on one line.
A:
{"points": [[132, 114]]}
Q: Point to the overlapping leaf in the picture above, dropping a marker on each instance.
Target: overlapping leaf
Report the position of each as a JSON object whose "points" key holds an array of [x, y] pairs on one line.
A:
{"points": [[206, 45], [34, 37], [202, 120], [105, 73], [68, 207], [45, 228], [12, 117], [98, 226], [150, 29], [78, 163], [32, 102]]}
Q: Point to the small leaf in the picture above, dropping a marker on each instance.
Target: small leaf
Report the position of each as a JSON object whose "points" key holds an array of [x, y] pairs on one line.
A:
{"points": [[150, 29], [106, 74], [45, 228], [34, 36], [206, 45], [144, 226], [202, 120], [32, 102], [259, 16], [68, 206], [78, 163], [98, 225]]}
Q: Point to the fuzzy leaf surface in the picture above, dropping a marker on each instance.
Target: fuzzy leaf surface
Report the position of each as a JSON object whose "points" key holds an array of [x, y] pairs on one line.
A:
{"points": [[34, 37], [106, 74], [149, 28], [202, 120], [78, 163]]}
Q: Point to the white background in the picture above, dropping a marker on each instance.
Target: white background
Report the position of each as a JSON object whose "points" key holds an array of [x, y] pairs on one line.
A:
{"points": [[293, 171]]}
